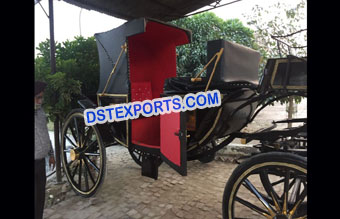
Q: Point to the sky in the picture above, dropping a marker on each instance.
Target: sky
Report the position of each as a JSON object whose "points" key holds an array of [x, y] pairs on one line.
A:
{"points": [[71, 21]]}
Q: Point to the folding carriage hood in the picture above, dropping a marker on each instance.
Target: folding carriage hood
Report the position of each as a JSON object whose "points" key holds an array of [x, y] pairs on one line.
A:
{"points": [[153, 41]]}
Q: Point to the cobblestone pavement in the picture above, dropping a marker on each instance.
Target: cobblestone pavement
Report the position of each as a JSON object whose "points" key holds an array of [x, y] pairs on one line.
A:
{"points": [[127, 194]]}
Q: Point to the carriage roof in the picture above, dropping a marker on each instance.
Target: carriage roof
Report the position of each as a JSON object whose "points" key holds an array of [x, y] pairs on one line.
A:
{"points": [[165, 10]]}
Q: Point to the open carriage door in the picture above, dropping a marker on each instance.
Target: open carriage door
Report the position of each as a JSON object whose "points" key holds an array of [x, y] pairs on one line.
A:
{"points": [[173, 141], [152, 59]]}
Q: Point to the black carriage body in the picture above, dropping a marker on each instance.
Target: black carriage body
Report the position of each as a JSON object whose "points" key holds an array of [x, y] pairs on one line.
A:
{"points": [[238, 63], [285, 73], [236, 77], [137, 63], [145, 53]]}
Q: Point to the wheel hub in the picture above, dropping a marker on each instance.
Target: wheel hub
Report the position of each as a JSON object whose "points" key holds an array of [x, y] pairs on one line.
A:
{"points": [[281, 216], [74, 155]]}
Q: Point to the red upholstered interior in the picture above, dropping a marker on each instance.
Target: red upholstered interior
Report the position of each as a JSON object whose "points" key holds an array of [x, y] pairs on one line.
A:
{"points": [[141, 91], [152, 59]]}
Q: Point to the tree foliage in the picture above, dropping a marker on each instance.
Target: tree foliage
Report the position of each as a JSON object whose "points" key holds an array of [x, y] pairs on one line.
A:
{"points": [[77, 73], [205, 27], [279, 20]]}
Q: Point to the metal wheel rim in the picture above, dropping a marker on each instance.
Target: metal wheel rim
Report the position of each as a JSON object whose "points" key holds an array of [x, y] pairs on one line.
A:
{"points": [[84, 166], [275, 207]]}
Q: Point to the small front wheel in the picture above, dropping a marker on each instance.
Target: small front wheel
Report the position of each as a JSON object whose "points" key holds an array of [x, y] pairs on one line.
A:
{"points": [[282, 195], [83, 154]]}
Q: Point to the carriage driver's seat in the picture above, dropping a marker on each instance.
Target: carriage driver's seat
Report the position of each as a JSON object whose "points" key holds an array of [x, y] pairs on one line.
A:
{"points": [[237, 68]]}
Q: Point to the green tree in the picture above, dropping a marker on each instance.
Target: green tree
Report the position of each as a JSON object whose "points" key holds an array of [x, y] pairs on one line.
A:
{"points": [[77, 73], [205, 27]]}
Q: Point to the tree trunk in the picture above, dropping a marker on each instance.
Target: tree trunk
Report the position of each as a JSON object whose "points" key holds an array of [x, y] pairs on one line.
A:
{"points": [[290, 109]]}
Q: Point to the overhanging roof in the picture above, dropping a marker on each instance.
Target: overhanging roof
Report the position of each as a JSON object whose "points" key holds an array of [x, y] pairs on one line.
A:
{"points": [[164, 10]]}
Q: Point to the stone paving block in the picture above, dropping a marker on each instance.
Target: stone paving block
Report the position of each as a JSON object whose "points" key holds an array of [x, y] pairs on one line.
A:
{"points": [[96, 215], [151, 214], [56, 216], [180, 214], [186, 208], [132, 212], [137, 216], [119, 215], [127, 195], [108, 213], [188, 215], [168, 206], [80, 215], [146, 211], [48, 212], [145, 185]]}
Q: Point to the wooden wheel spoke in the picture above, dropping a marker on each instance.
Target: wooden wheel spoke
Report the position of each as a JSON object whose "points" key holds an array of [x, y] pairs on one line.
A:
{"points": [[291, 184], [90, 146], [86, 179], [295, 191], [92, 154], [77, 130], [74, 135], [88, 170], [81, 133], [88, 135], [275, 200], [92, 164], [79, 179], [253, 190], [252, 206], [74, 171], [267, 184], [299, 201], [69, 164], [285, 193], [278, 182], [73, 144]]}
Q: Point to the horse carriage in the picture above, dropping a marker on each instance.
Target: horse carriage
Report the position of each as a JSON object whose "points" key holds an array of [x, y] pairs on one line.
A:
{"points": [[138, 62]]}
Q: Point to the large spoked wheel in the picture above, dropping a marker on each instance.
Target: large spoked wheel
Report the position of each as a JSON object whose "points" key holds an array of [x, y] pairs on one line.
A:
{"points": [[282, 195], [83, 154]]}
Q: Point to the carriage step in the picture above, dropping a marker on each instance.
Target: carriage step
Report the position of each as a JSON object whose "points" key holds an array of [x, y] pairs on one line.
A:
{"points": [[150, 167]]}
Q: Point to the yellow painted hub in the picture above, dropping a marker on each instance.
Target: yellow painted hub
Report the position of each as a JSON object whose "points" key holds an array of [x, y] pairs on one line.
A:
{"points": [[74, 154]]}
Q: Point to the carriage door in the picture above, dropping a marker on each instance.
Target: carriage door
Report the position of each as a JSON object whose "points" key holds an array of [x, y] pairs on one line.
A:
{"points": [[173, 141]]}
